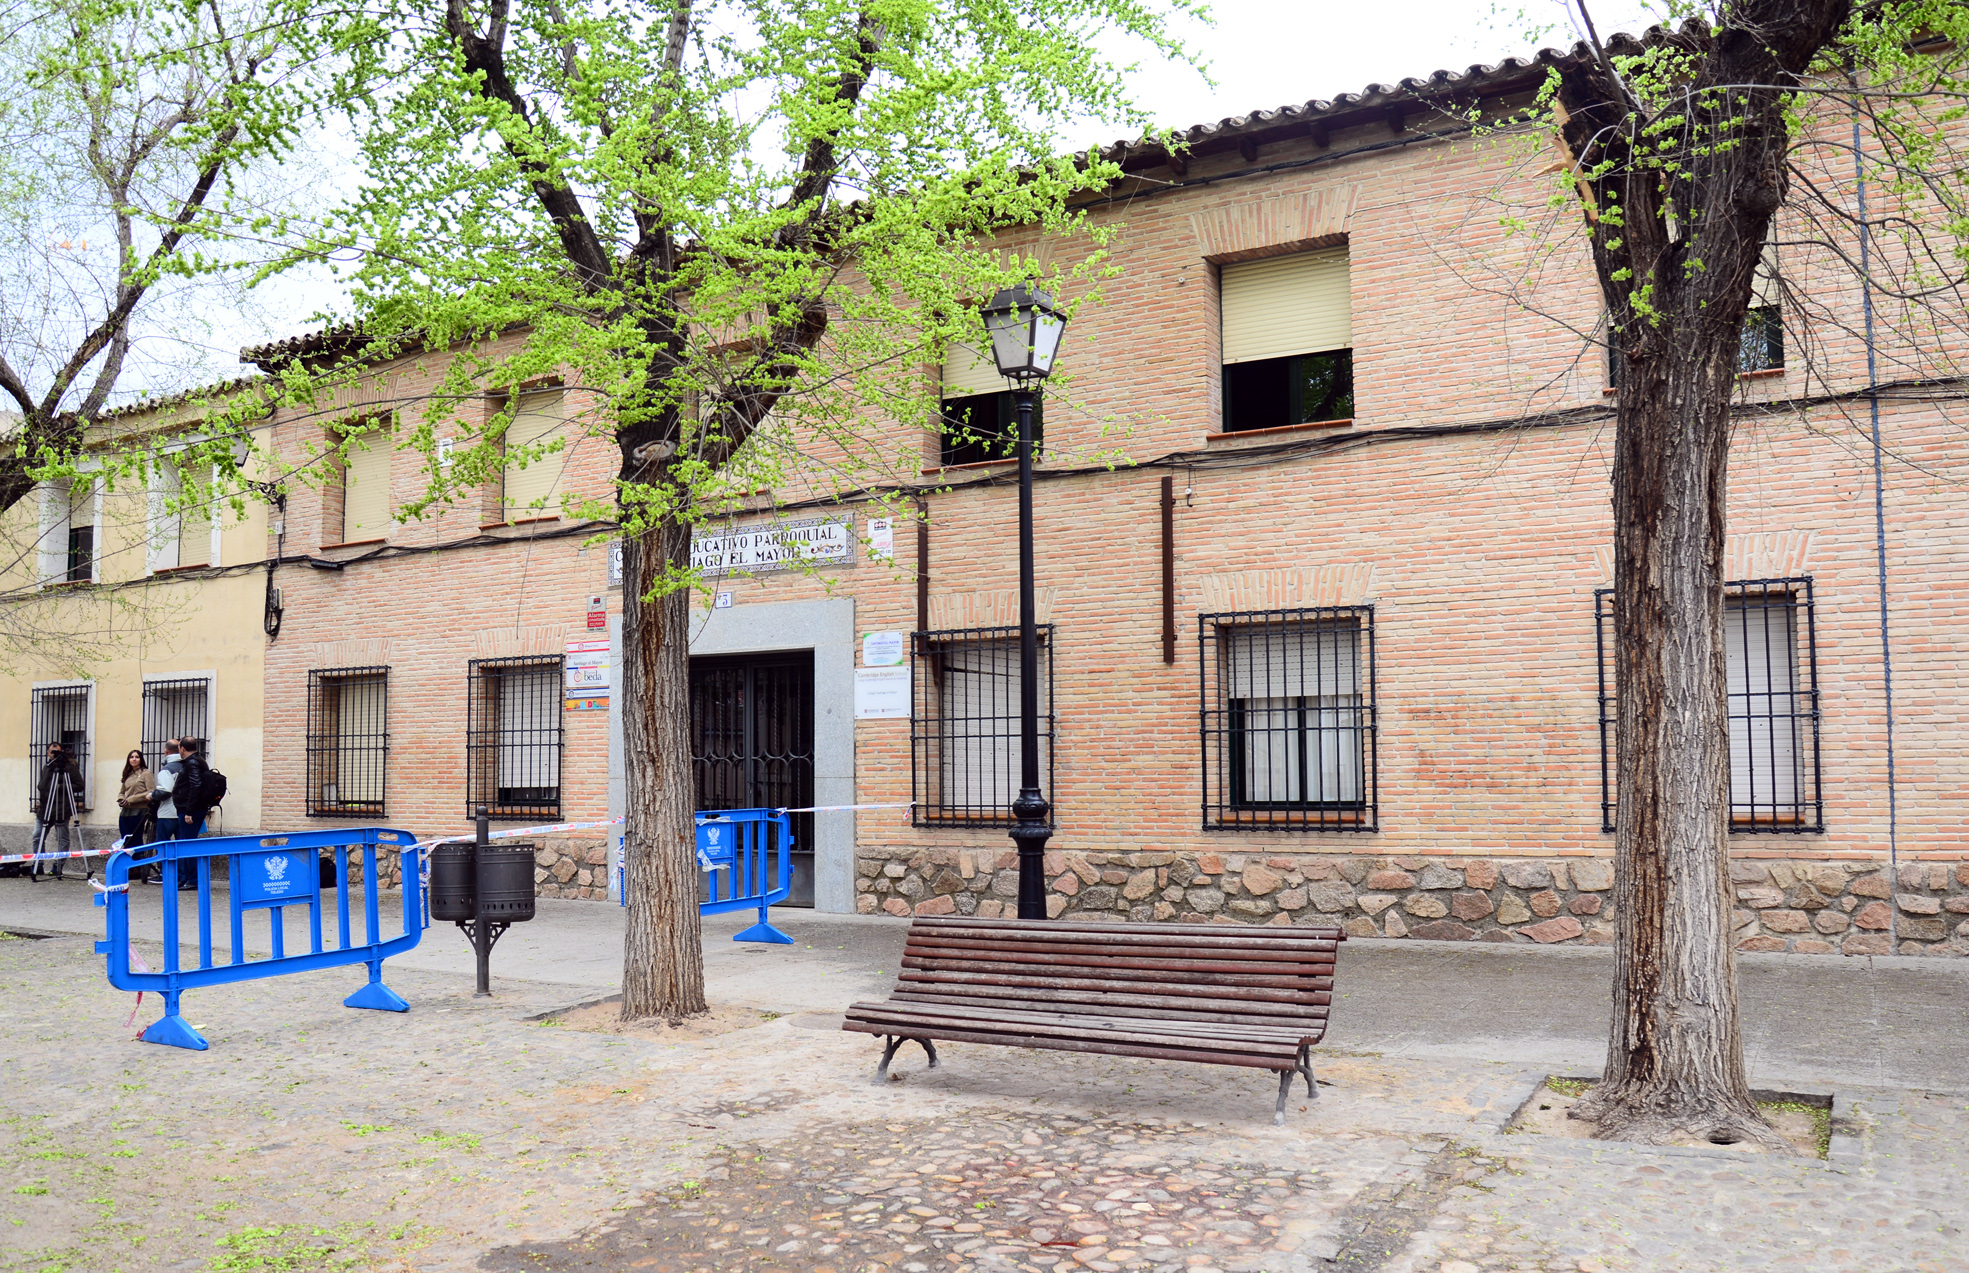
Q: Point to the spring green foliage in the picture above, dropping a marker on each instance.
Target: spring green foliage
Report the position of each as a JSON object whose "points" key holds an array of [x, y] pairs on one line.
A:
{"points": [[1899, 70], [740, 234]]}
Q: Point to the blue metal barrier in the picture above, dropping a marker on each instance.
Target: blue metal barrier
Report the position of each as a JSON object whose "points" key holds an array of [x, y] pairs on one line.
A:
{"points": [[738, 845], [266, 873]]}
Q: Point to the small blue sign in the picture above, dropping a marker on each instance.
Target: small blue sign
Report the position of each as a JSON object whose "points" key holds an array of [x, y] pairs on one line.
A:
{"points": [[717, 844], [279, 878]]}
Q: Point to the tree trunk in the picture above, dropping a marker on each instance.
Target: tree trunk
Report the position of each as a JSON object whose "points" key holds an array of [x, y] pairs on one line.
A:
{"points": [[663, 950], [1675, 1059]]}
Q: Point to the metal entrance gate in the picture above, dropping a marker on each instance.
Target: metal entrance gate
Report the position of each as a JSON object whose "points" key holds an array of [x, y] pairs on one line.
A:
{"points": [[752, 743]]}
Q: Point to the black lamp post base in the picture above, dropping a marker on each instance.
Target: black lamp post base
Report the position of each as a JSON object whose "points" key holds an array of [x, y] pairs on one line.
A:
{"points": [[1030, 832]]}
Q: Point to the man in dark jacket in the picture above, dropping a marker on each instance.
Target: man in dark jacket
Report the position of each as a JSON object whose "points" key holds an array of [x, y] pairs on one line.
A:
{"points": [[192, 788], [56, 791]]}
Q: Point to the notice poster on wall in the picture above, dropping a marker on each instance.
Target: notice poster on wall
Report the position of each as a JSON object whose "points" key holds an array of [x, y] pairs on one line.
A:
{"points": [[587, 688], [882, 538], [881, 693]]}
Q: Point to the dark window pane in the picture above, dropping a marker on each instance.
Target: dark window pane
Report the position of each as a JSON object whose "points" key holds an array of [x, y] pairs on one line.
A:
{"points": [[984, 426], [1323, 386], [81, 553], [1302, 389], [1761, 347]]}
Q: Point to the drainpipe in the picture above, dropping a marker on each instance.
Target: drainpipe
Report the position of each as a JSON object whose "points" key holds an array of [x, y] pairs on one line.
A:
{"points": [[1879, 533]]}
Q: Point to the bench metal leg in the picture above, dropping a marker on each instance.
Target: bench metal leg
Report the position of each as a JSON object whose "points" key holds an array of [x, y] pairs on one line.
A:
{"points": [[1306, 1068], [1284, 1090], [890, 1042]]}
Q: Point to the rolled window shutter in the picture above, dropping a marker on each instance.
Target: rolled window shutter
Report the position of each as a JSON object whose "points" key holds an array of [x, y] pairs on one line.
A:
{"points": [[195, 527], [1285, 305], [366, 488], [538, 419], [967, 371]]}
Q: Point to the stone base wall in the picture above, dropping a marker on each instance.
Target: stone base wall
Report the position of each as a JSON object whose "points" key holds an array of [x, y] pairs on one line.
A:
{"points": [[571, 867], [1804, 907]]}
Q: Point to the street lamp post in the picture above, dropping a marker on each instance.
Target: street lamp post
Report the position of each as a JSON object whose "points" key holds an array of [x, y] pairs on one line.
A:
{"points": [[1025, 330]]}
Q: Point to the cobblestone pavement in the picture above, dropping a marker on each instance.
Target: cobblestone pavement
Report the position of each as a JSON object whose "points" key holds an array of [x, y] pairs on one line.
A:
{"points": [[465, 1135]]}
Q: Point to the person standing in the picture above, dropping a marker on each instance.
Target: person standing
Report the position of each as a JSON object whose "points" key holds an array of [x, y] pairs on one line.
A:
{"points": [[194, 788], [133, 804], [169, 775], [58, 807]]}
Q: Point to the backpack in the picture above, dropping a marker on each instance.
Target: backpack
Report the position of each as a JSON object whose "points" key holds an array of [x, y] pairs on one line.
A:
{"points": [[212, 792]]}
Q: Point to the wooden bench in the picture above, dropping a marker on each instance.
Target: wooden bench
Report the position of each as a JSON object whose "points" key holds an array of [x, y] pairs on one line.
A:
{"points": [[1221, 995]]}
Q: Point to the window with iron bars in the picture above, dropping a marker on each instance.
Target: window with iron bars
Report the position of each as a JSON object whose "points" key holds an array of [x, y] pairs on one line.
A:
{"points": [[1288, 720], [513, 736], [176, 709], [965, 726], [58, 714], [1770, 645], [348, 741]]}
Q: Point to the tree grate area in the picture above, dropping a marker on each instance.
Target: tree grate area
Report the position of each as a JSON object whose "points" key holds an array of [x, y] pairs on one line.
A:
{"points": [[984, 1193]]}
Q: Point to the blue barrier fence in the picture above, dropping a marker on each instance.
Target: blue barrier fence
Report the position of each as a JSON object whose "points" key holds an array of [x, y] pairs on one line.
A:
{"points": [[748, 856], [270, 874]]}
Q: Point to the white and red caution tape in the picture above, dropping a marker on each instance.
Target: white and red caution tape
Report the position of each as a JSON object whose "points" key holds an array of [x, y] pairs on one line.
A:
{"points": [[846, 808]]}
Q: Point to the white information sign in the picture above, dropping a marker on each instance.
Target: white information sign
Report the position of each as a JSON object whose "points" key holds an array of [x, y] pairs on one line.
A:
{"points": [[615, 563], [881, 649], [882, 538], [774, 546], [881, 693], [587, 671]]}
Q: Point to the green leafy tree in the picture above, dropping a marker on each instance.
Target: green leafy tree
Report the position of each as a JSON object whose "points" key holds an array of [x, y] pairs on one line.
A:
{"points": [[125, 128], [739, 233], [1685, 150]]}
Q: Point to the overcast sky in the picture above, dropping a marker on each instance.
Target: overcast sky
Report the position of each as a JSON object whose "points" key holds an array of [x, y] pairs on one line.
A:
{"points": [[1262, 54], [1269, 53]]}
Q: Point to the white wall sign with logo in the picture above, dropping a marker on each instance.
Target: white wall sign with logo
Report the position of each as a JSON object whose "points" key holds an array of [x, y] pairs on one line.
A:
{"points": [[881, 693], [881, 649], [615, 563], [882, 538], [774, 546], [587, 676]]}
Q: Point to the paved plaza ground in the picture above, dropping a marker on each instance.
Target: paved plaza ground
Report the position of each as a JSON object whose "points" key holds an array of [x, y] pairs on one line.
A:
{"points": [[473, 1134]]}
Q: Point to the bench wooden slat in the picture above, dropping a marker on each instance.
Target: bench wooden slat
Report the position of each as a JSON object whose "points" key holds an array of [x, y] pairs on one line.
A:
{"points": [[1121, 935], [1123, 932], [1151, 958], [1135, 1006], [1255, 1060], [1271, 1031], [1248, 994], [1174, 973], [956, 947]]}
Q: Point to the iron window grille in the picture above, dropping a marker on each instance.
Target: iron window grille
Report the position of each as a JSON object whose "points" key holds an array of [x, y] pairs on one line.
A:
{"points": [[58, 714], [965, 726], [1288, 720], [513, 736], [348, 741], [1770, 643], [175, 709]]}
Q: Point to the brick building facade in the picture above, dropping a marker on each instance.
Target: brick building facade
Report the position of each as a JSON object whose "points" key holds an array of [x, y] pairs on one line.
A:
{"points": [[1357, 419]]}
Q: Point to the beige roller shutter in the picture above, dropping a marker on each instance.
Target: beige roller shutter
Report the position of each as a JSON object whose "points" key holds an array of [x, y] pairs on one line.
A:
{"points": [[967, 371], [539, 419], [1285, 305], [195, 523], [366, 488]]}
